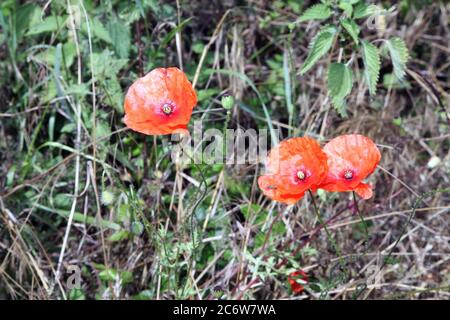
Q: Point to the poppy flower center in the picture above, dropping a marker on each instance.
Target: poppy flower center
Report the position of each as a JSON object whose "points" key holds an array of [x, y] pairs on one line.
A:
{"points": [[348, 174], [167, 109], [301, 175]]}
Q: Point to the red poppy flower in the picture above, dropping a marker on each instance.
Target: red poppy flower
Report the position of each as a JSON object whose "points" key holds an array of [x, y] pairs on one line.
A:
{"points": [[161, 102], [293, 167], [296, 279], [351, 159]]}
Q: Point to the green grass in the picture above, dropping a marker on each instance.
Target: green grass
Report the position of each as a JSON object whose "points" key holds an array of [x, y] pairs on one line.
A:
{"points": [[79, 189]]}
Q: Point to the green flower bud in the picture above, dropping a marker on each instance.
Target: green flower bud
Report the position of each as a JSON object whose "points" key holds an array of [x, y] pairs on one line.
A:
{"points": [[137, 228], [227, 102], [107, 197]]}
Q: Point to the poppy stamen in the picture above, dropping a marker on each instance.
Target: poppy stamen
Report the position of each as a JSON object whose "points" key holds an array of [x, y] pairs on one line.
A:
{"points": [[348, 174], [167, 109], [301, 175]]}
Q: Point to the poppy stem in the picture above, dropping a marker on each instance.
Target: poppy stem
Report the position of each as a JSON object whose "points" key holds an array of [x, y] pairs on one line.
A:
{"points": [[363, 221], [323, 223]]}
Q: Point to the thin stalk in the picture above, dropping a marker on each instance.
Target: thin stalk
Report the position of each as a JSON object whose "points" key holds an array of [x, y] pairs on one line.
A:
{"points": [[366, 230], [322, 222]]}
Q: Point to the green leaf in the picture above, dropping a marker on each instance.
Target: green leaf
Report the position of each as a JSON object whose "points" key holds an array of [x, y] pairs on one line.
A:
{"points": [[113, 94], [100, 31], [121, 39], [319, 46], [371, 58], [206, 94], [316, 12], [346, 7], [50, 24], [390, 81], [119, 236], [340, 82], [173, 32], [68, 128], [352, 28], [106, 66], [76, 294], [81, 218], [48, 56], [399, 56], [363, 10], [23, 18], [102, 129]]}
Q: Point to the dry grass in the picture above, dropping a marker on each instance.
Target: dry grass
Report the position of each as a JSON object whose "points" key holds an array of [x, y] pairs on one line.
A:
{"points": [[206, 242]]}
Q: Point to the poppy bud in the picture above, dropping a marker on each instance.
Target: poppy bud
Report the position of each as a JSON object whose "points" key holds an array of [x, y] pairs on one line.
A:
{"points": [[227, 102], [107, 197], [137, 228]]}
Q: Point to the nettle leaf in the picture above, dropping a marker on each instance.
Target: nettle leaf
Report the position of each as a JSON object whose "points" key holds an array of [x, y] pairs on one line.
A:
{"points": [[319, 46], [316, 12], [372, 64], [399, 56], [352, 28], [113, 94], [363, 10], [23, 18], [48, 56], [346, 7], [50, 24], [121, 39], [340, 82], [100, 31], [106, 65]]}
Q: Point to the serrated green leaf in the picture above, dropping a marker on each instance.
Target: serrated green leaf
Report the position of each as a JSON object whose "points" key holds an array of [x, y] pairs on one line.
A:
{"points": [[106, 66], [352, 28], [399, 56], [319, 46], [363, 10], [316, 12], [114, 94], [100, 31], [340, 82], [121, 39], [346, 7], [50, 24], [372, 64]]}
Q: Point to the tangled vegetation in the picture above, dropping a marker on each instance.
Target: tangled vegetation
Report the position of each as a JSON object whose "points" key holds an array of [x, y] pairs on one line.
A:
{"points": [[92, 210]]}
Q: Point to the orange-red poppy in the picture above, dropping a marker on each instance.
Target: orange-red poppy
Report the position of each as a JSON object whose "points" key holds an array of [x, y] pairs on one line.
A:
{"points": [[159, 103], [293, 167], [351, 159], [296, 279]]}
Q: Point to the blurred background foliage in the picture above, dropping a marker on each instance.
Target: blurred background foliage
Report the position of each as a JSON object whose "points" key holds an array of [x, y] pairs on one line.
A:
{"points": [[139, 226]]}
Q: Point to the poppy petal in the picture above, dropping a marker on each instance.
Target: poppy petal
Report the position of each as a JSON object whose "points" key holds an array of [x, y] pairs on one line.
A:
{"points": [[364, 191], [161, 102], [296, 279], [271, 187], [293, 167], [351, 159]]}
